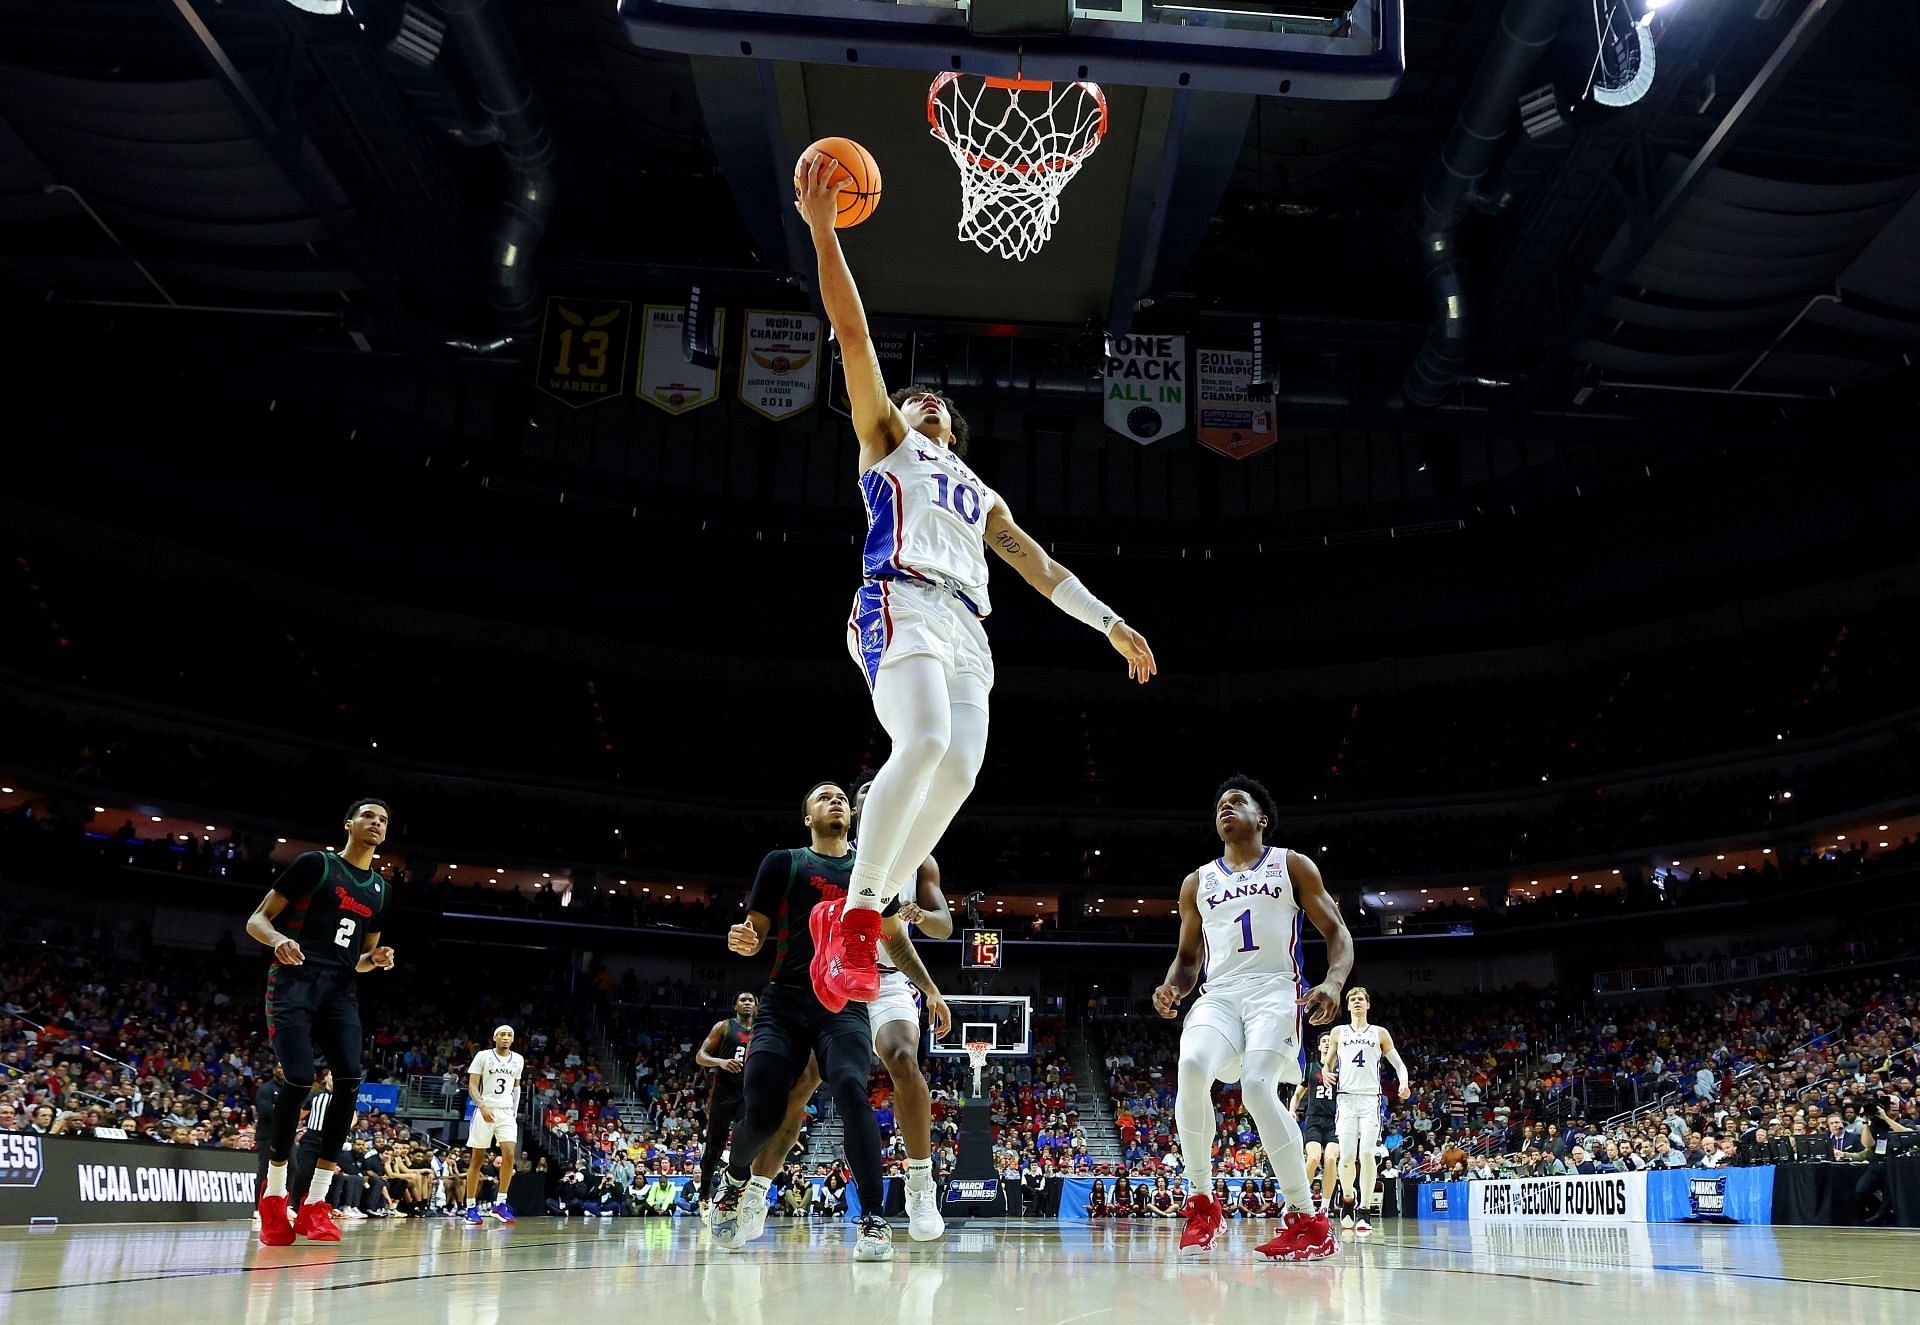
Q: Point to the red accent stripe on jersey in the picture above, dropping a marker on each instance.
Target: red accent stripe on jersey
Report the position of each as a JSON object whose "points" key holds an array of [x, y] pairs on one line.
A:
{"points": [[899, 529], [886, 609]]}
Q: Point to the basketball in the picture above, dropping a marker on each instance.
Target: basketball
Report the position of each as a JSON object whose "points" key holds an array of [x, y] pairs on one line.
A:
{"points": [[858, 177]]}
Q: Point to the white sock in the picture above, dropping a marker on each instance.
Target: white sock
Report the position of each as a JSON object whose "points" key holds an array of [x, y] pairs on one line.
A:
{"points": [[919, 1174], [868, 889], [758, 1186], [276, 1179], [318, 1185]]}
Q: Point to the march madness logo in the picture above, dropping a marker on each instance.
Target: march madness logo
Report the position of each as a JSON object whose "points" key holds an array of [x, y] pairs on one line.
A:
{"points": [[22, 1160], [1708, 1197], [1439, 1200]]}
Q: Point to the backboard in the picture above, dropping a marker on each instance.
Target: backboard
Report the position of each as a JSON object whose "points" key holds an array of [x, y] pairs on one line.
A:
{"points": [[1325, 50], [1004, 1023]]}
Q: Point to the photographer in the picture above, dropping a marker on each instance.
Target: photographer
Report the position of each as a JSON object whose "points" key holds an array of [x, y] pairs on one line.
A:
{"points": [[1872, 1196]]}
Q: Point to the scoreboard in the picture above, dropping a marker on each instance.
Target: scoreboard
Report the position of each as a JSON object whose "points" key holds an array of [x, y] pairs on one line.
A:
{"points": [[980, 950]]}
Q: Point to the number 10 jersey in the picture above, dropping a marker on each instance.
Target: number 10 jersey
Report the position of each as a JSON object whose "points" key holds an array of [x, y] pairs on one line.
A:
{"points": [[927, 520], [1250, 921]]}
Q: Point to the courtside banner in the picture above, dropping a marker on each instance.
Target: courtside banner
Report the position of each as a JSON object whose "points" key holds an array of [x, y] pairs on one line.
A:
{"points": [[121, 1182], [1580, 1198], [1146, 386]]}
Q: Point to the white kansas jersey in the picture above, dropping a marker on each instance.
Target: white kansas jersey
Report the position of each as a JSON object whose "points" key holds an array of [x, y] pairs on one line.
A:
{"points": [[1250, 920], [927, 520], [499, 1078], [1359, 1060]]}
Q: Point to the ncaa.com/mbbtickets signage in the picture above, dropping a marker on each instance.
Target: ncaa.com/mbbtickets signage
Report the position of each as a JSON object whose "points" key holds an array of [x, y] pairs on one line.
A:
{"points": [[1580, 1198], [1146, 387], [117, 1182]]}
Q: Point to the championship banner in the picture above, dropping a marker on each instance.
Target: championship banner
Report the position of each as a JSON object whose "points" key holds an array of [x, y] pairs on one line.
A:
{"points": [[1227, 417], [1577, 1198], [667, 380], [779, 363], [583, 350], [59, 1180], [1146, 382]]}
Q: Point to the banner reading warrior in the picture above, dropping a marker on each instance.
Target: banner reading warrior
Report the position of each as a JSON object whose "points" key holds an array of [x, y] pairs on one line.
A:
{"points": [[1146, 387], [779, 363], [583, 350], [667, 380], [1227, 418]]}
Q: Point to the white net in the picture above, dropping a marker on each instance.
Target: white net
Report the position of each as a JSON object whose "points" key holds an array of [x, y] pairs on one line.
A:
{"points": [[1018, 143], [977, 1055]]}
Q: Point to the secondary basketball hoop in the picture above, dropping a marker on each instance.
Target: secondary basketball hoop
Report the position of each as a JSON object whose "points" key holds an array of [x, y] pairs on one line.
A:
{"points": [[977, 1055], [1018, 143]]}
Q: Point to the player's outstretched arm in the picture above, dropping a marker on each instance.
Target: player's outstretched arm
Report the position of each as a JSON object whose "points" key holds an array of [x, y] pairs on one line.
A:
{"points": [[1323, 1000], [1063, 589], [929, 910], [1184, 972], [900, 947], [877, 421]]}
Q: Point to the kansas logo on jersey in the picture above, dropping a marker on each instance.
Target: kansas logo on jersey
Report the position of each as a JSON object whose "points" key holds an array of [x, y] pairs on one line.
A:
{"points": [[1274, 888]]}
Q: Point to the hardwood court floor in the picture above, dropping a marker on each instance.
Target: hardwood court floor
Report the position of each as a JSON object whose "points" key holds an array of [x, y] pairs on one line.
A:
{"points": [[576, 1272]]}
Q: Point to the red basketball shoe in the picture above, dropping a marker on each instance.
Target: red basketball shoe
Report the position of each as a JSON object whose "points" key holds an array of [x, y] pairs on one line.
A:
{"points": [[821, 923], [1302, 1237], [275, 1230], [1202, 1213], [315, 1222], [852, 971]]}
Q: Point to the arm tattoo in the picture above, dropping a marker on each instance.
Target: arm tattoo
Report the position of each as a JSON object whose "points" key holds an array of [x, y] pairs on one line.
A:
{"points": [[1011, 544], [900, 948]]}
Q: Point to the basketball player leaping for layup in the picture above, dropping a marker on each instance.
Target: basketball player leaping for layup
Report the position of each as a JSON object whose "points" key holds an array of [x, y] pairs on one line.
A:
{"points": [[1359, 1049], [795, 896], [1241, 914], [329, 904], [915, 628]]}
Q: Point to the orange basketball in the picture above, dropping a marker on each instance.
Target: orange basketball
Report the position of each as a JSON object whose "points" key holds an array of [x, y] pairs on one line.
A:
{"points": [[858, 177]]}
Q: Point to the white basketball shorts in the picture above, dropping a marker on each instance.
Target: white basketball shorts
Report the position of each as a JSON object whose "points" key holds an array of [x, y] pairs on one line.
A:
{"points": [[897, 1000], [900, 618], [481, 1134], [1256, 1015], [1358, 1118]]}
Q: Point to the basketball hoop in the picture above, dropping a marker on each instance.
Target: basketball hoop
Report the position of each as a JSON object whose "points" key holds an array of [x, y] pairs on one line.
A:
{"points": [[1018, 143], [977, 1055]]}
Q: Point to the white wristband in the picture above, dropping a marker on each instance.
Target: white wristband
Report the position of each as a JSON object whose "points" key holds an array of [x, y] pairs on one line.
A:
{"points": [[1078, 602]]}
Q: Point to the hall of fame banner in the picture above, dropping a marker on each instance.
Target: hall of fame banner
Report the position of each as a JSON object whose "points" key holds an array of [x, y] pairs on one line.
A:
{"points": [[1576, 1198], [1227, 416], [583, 350], [779, 363], [1146, 387], [667, 380]]}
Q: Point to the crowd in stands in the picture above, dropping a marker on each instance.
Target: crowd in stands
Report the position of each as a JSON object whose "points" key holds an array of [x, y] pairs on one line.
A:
{"points": [[1501, 1082]]}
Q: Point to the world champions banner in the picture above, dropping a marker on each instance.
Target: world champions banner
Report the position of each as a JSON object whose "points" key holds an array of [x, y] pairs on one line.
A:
{"points": [[1579, 1198]]}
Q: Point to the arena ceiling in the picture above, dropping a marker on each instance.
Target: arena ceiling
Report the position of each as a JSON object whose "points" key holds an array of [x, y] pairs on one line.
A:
{"points": [[1743, 237]]}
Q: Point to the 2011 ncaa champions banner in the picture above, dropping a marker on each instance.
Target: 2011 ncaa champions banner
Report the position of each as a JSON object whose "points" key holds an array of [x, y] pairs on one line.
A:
{"points": [[1146, 387], [1227, 417], [667, 380], [779, 363]]}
